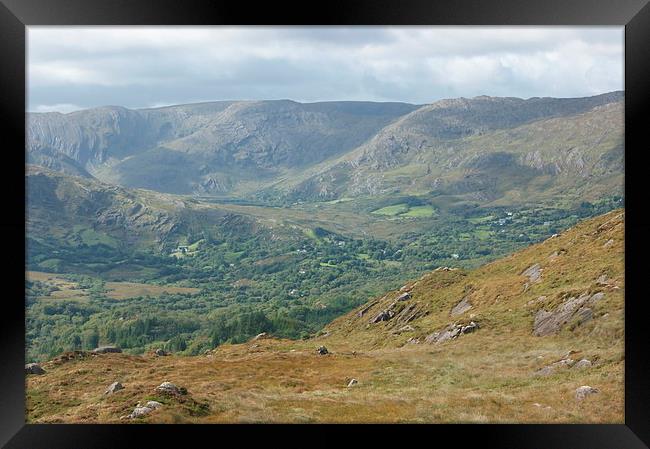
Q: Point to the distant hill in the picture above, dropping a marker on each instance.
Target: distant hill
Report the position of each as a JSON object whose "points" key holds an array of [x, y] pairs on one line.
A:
{"points": [[484, 148]]}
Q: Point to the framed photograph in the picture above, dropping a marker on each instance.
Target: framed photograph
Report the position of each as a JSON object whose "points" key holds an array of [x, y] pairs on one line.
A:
{"points": [[354, 213]]}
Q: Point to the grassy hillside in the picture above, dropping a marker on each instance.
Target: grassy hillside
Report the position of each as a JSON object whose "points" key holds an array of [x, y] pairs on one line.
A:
{"points": [[521, 360]]}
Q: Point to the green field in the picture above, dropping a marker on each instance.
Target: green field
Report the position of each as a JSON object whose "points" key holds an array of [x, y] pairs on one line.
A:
{"points": [[392, 211]]}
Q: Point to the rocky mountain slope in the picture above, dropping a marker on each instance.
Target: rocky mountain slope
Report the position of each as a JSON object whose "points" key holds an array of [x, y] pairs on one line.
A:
{"points": [[64, 209], [204, 148], [534, 337], [485, 148]]}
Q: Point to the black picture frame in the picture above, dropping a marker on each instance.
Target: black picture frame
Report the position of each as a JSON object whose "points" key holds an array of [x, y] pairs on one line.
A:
{"points": [[15, 15]]}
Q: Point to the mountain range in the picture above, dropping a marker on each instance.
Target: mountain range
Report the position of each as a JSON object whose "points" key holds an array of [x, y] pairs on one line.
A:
{"points": [[486, 149]]}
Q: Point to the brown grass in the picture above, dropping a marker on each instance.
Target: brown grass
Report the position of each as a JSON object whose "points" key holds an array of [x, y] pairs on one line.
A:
{"points": [[484, 377]]}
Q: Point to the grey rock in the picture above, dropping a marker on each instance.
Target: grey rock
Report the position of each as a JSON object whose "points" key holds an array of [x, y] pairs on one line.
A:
{"points": [[170, 389], [153, 404], [584, 391], [554, 367], [463, 306], [34, 368], [114, 387], [471, 327], [139, 412], [534, 273], [107, 349], [404, 296], [547, 323], [582, 364], [384, 315]]}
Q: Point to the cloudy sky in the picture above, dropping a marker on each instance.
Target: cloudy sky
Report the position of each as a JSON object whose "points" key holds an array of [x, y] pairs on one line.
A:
{"points": [[73, 68]]}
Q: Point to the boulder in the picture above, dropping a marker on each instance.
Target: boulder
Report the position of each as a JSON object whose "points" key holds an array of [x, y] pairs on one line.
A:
{"points": [[471, 327], [404, 296], [582, 364], [106, 349], [322, 350], [170, 389], [584, 391], [353, 382], [139, 412], [153, 404], [114, 387], [34, 368]]}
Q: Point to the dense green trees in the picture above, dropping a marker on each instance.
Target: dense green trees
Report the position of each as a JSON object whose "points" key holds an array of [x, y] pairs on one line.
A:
{"points": [[253, 283]]}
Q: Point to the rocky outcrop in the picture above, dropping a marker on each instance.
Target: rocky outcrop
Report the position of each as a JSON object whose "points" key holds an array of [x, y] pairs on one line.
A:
{"points": [[404, 296], [170, 389], [551, 322], [451, 332], [143, 410], [107, 349], [533, 273], [463, 306], [114, 387], [34, 368]]}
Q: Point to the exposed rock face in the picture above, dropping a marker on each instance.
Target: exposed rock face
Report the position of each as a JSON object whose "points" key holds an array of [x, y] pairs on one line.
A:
{"points": [[534, 273], [584, 391], [547, 323], [451, 332], [400, 314], [463, 306], [34, 368], [114, 387], [107, 349]]}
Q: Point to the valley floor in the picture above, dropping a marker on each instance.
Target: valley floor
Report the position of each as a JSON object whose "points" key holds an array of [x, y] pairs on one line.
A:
{"points": [[477, 379]]}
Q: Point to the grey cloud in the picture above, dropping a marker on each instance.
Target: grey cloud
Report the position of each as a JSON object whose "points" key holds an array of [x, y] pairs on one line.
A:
{"points": [[144, 66]]}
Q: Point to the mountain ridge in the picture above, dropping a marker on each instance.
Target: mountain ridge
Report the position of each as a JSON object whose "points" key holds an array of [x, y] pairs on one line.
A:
{"points": [[250, 148]]}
